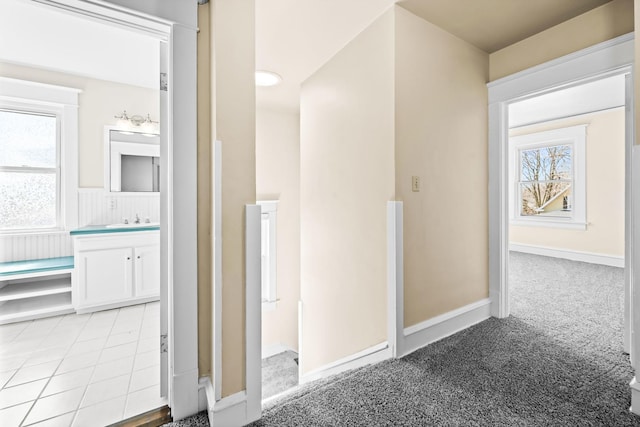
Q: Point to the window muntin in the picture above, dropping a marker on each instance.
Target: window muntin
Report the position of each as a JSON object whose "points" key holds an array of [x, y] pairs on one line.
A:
{"points": [[553, 163], [29, 171], [546, 177]]}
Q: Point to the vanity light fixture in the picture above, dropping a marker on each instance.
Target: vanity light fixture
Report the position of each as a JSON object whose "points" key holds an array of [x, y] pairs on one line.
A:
{"points": [[136, 123], [267, 78]]}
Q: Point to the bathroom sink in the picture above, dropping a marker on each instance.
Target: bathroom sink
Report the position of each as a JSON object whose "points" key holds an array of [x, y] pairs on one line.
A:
{"points": [[133, 225]]}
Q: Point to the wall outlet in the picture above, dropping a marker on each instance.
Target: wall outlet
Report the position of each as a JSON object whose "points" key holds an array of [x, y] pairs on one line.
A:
{"points": [[113, 203], [415, 183]]}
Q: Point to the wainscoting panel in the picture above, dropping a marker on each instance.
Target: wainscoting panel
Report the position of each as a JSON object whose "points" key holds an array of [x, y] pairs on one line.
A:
{"points": [[95, 207]]}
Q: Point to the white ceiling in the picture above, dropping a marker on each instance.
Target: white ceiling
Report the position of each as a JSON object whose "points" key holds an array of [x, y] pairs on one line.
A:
{"points": [[39, 36], [590, 97]]}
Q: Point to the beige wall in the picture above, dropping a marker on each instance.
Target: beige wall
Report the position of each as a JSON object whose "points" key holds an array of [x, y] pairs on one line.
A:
{"points": [[233, 123], [441, 136], [605, 174], [204, 192], [278, 178], [99, 101], [346, 179], [603, 23]]}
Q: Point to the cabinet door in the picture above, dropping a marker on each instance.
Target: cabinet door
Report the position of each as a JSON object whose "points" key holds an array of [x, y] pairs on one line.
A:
{"points": [[147, 273], [105, 275]]}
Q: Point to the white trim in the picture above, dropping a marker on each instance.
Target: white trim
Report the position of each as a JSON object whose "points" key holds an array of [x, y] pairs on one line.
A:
{"points": [[230, 411], [395, 278], [253, 312], [374, 354], [590, 257], [614, 52], [269, 277], [439, 327], [216, 327]]}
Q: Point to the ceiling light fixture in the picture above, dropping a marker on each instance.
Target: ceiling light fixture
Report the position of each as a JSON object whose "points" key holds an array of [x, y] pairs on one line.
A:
{"points": [[267, 78]]}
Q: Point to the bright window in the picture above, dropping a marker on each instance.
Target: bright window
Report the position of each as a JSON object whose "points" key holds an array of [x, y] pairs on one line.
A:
{"points": [[38, 157], [29, 170], [547, 172], [269, 258]]}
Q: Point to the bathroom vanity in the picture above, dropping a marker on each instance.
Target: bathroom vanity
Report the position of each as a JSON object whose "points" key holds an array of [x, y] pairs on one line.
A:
{"points": [[115, 266]]}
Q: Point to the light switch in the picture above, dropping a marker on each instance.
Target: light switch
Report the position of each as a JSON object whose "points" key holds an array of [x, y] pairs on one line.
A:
{"points": [[415, 183]]}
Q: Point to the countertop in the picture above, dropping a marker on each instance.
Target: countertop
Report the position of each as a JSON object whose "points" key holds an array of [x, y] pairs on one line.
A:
{"points": [[103, 229]]}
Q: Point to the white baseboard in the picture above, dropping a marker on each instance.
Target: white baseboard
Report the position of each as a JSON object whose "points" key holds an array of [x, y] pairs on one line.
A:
{"points": [[590, 257], [635, 396], [230, 411], [273, 349], [184, 403], [374, 354], [432, 330]]}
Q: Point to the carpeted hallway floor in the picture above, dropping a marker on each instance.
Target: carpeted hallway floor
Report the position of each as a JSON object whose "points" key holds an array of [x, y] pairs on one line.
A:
{"points": [[557, 361]]}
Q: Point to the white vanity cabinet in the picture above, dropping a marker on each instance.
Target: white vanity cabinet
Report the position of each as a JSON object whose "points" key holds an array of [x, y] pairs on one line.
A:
{"points": [[115, 269]]}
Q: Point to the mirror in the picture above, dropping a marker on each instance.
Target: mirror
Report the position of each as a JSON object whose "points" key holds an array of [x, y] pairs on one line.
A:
{"points": [[132, 161]]}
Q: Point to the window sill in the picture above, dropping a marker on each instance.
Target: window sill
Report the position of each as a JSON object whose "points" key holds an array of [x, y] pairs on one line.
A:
{"points": [[567, 225], [42, 232]]}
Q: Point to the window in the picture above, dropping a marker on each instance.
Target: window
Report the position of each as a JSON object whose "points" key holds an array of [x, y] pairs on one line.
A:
{"points": [[29, 170], [269, 259], [38, 157], [547, 171]]}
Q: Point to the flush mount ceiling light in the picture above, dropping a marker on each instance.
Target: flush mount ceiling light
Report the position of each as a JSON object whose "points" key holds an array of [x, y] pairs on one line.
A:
{"points": [[267, 78]]}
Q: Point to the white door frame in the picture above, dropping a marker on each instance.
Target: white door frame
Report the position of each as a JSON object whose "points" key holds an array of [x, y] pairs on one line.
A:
{"points": [[612, 57], [174, 24]]}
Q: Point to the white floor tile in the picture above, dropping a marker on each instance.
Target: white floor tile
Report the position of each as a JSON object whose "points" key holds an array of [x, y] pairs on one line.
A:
{"points": [[143, 400], [118, 352], [59, 339], [60, 421], [12, 417], [6, 376], [20, 348], [113, 369], [101, 414], [120, 339], [144, 378], [146, 360], [22, 393], [32, 373], [89, 346], [46, 355], [91, 332], [126, 326], [11, 364], [68, 381], [57, 404], [105, 390], [148, 344], [80, 361]]}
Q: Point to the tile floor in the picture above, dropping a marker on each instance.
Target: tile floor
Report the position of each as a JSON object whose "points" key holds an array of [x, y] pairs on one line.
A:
{"points": [[85, 370]]}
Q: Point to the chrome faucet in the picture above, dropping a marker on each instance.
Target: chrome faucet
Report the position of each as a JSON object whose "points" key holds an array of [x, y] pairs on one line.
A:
{"points": [[137, 221]]}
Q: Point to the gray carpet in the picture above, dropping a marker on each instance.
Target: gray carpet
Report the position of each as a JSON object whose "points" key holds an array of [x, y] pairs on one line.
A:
{"points": [[557, 361], [279, 373]]}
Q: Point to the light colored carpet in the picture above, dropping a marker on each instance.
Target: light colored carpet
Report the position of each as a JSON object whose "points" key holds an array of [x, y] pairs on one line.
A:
{"points": [[279, 373], [557, 361]]}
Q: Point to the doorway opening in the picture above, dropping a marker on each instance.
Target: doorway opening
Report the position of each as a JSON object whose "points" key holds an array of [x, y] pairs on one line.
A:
{"points": [[566, 195]]}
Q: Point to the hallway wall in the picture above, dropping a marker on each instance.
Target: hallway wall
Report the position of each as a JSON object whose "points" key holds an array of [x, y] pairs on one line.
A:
{"points": [[278, 178]]}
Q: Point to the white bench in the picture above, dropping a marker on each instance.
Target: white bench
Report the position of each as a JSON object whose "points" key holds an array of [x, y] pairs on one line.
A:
{"points": [[35, 288]]}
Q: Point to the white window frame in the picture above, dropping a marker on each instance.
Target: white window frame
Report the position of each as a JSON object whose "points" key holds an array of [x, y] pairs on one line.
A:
{"points": [[62, 102], [269, 221], [574, 136]]}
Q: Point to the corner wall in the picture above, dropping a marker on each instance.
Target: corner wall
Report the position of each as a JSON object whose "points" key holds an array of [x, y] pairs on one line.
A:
{"points": [[441, 136], [346, 179], [278, 178], [233, 123]]}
